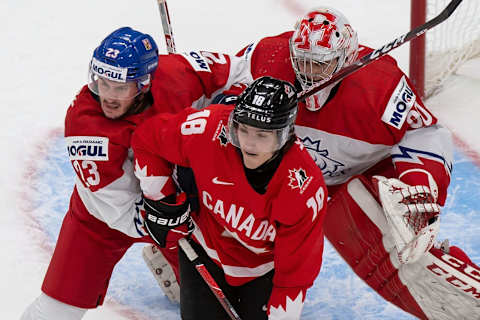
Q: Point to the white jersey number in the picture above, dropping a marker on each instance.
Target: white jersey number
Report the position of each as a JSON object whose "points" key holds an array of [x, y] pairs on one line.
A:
{"points": [[316, 203], [195, 123], [87, 171]]}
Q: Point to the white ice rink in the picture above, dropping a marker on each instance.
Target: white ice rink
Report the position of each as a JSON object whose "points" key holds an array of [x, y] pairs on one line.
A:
{"points": [[45, 51]]}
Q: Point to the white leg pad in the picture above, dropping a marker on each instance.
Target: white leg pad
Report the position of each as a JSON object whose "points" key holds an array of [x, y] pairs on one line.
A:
{"points": [[46, 308], [439, 285], [162, 271]]}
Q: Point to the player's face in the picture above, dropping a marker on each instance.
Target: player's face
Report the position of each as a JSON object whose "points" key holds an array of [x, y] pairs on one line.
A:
{"points": [[316, 71], [116, 97], [256, 145]]}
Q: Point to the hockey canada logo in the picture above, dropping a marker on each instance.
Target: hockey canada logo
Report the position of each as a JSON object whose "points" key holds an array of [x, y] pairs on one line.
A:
{"points": [[299, 179], [221, 134], [329, 167]]}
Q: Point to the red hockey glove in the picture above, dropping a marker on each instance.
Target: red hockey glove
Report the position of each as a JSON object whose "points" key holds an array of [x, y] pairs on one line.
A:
{"points": [[162, 219]]}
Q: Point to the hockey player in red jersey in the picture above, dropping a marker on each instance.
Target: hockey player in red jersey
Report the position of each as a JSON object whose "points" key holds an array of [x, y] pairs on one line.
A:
{"points": [[373, 123], [104, 219], [262, 201]]}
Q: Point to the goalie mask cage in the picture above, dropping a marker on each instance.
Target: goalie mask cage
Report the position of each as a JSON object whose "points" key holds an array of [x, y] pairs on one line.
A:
{"points": [[443, 49]]}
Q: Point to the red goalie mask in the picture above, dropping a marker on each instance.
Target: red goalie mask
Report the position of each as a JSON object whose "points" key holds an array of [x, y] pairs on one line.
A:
{"points": [[323, 42]]}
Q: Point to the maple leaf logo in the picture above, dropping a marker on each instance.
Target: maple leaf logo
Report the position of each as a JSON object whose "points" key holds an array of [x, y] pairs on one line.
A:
{"points": [[329, 166], [140, 172], [298, 179], [221, 134], [289, 307]]}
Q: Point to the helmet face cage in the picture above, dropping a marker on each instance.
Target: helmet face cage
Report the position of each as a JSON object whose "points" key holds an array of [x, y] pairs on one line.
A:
{"points": [[267, 104], [123, 57], [323, 42]]}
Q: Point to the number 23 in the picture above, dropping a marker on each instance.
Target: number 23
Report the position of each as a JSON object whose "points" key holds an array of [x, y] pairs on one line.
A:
{"points": [[90, 167]]}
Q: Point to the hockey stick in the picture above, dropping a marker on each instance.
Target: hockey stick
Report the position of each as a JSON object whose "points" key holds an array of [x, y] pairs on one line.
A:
{"points": [[369, 58], [166, 25], [207, 277], [183, 243]]}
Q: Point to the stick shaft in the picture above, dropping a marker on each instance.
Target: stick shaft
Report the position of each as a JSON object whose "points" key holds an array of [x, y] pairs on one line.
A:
{"points": [[207, 277], [166, 25]]}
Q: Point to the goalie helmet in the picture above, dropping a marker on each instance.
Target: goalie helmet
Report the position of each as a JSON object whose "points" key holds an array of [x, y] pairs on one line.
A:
{"points": [[323, 42], [125, 55], [269, 104]]}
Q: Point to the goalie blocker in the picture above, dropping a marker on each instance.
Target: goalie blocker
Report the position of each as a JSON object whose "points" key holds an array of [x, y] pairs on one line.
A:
{"points": [[442, 284]]}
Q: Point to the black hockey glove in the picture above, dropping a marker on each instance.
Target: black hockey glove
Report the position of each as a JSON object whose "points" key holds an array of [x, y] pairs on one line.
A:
{"points": [[225, 99], [164, 219], [186, 181]]}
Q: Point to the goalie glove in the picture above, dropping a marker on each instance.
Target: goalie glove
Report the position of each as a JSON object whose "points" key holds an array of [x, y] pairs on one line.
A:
{"points": [[164, 219], [412, 215]]}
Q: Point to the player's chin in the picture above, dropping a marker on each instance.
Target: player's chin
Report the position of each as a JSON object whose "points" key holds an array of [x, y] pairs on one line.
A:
{"points": [[112, 111], [252, 160], [112, 115]]}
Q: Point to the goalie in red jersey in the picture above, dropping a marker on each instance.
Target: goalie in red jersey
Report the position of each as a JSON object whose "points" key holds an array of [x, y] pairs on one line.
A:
{"points": [[261, 201], [373, 124]]}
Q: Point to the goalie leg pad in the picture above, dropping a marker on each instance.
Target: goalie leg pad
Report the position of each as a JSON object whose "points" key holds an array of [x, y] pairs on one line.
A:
{"points": [[356, 227], [446, 286], [47, 308], [164, 271], [439, 285]]}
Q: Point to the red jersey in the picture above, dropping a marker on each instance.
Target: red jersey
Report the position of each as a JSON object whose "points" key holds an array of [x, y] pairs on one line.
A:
{"points": [[373, 122], [246, 233], [194, 78], [99, 148], [374, 115], [104, 213]]}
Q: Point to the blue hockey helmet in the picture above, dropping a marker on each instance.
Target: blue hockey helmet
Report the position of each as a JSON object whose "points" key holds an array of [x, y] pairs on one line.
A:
{"points": [[125, 55]]}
